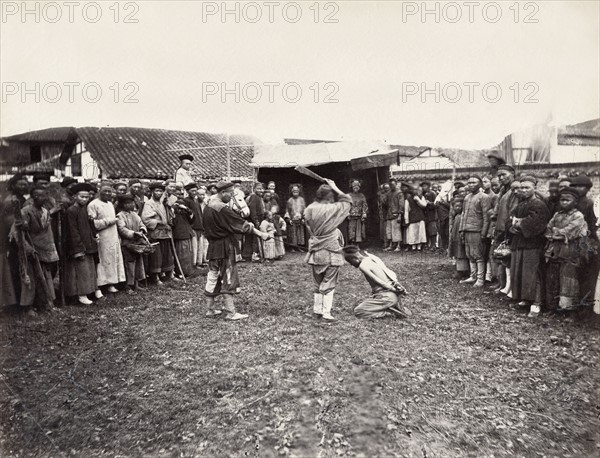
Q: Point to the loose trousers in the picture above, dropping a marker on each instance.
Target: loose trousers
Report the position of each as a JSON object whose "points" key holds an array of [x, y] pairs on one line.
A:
{"points": [[325, 278]]}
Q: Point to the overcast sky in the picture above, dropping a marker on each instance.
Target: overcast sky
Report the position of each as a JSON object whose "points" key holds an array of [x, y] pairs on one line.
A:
{"points": [[372, 56]]}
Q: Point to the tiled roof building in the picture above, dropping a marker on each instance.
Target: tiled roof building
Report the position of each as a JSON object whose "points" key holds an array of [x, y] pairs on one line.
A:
{"points": [[153, 153], [126, 152]]}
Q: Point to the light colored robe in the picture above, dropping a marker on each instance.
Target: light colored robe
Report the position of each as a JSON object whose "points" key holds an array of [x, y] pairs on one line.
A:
{"points": [[110, 269]]}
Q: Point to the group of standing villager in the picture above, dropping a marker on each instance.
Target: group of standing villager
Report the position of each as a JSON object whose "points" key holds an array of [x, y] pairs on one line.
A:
{"points": [[85, 240], [410, 216], [93, 240], [61, 237], [543, 251]]}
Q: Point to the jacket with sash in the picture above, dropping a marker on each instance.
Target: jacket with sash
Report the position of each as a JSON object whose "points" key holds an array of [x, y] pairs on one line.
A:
{"points": [[326, 240]]}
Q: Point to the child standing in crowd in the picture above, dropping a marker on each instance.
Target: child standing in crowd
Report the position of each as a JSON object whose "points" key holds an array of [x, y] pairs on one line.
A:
{"points": [[81, 249], [565, 233], [131, 229], [269, 246], [457, 246], [280, 228]]}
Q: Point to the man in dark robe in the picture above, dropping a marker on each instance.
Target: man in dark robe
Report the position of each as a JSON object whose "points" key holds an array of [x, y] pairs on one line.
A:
{"points": [[37, 223], [588, 272], [256, 205], [394, 203], [221, 224], [442, 203], [382, 204], [528, 225], [192, 202], [12, 251], [183, 235], [81, 248], [431, 216]]}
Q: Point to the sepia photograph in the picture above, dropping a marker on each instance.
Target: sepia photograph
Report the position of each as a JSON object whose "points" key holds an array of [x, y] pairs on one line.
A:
{"points": [[304, 229]]}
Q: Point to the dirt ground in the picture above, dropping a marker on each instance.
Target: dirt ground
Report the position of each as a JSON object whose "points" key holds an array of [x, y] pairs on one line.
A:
{"points": [[466, 375]]}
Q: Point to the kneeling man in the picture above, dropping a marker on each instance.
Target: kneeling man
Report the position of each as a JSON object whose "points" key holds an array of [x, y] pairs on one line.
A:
{"points": [[384, 284]]}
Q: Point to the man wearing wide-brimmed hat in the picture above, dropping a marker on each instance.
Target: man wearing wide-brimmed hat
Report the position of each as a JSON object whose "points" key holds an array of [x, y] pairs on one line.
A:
{"points": [[81, 248], [182, 175], [221, 224]]}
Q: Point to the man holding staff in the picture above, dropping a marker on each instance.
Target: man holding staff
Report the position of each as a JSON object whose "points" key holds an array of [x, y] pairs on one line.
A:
{"points": [[325, 244]]}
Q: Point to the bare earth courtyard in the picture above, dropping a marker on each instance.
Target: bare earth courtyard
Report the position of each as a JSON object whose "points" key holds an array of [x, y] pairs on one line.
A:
{"points": [[466, 375]]}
